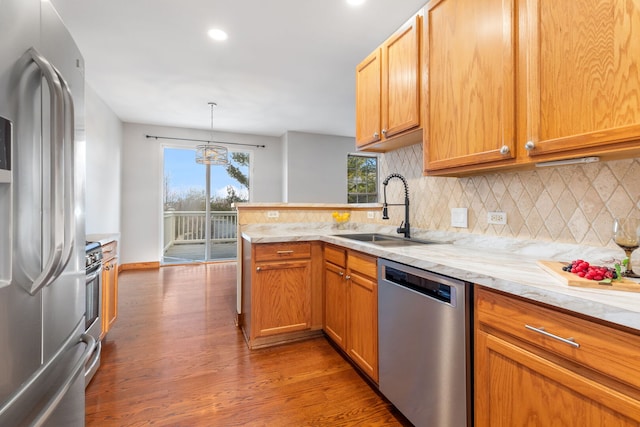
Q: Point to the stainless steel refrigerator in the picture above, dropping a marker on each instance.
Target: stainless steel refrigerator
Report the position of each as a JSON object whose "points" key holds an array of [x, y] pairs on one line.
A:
{"points": [[43, 348]]}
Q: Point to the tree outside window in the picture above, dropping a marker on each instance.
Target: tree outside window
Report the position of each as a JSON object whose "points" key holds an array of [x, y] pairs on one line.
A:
{"points": [[362, 179]]}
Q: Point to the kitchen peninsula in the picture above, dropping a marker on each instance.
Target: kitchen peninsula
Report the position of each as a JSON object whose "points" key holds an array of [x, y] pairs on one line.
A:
{"points": [[594, 367], [505, 264]]}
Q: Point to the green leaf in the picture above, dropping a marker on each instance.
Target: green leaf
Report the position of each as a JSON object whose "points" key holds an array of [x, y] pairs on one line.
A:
{"points": [[618, 271]]}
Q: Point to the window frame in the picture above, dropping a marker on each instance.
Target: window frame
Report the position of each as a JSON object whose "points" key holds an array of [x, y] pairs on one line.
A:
{"points": [[366, 196]]}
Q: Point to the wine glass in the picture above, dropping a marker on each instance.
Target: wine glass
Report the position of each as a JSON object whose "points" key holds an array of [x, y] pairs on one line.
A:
{"points": [[626, 234]]}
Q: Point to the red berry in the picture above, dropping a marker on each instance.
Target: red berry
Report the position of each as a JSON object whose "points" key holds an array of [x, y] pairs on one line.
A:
{"points": [[598, 278], [581, 273]]}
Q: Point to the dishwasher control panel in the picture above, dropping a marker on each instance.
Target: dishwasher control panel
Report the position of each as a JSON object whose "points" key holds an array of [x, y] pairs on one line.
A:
{"points": [[420, 284]]}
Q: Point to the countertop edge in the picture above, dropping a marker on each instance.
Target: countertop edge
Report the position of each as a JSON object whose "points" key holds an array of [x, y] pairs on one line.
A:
{"points": [[103, 238]]}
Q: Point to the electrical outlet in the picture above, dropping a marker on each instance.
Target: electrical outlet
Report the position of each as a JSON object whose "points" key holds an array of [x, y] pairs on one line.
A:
{"points": [[459, 217], [499, 218], [273, 214], [371, 215]]}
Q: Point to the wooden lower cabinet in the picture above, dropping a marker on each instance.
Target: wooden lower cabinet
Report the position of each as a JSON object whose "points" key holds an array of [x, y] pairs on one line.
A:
{"points": [[281, 295], [351, 306], [109, 286], [335, 294], [524, 377]]}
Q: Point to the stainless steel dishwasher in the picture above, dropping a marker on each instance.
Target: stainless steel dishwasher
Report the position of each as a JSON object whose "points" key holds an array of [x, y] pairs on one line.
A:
{"points": [[424, 340]]}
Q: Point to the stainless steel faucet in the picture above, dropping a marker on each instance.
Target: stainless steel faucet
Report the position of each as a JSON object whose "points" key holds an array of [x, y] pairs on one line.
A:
{"points": [[404, 228]]}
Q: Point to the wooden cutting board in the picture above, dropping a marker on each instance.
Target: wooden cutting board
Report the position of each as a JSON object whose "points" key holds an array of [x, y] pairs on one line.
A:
{"points": [[555, 269]]}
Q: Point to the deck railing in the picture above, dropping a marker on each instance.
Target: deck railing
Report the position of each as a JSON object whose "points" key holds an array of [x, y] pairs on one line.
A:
{"points": [[186, 227]]}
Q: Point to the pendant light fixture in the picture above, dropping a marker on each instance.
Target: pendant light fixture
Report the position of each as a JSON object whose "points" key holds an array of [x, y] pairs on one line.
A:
{"points": [[210, 154]]}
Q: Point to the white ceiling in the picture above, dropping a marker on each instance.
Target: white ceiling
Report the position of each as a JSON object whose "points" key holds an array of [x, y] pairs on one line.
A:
{"points": [[288, 65]]}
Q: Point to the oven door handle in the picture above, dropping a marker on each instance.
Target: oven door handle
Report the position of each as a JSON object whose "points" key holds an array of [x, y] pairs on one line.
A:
{"points": [[92, 276]]}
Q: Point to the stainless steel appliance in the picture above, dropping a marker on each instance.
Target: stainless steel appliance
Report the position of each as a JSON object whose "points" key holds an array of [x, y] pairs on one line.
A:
{"points": [[93, 303], [44, 348], [424, 344]]}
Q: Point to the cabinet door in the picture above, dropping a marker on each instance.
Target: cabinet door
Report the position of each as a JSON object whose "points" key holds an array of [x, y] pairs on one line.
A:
{"points": [[112, 303], [401, 80], [469, 55], [582, 84], [362, 339], [517, 388], [335, 313], [281, 297], [109, 295], [368, 99]]}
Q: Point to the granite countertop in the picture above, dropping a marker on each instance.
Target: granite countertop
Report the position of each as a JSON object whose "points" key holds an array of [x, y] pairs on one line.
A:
{"points": [[505, 264]]}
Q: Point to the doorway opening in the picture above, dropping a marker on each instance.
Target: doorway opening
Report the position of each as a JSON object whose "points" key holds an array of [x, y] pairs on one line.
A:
{"points": [[191, 232]]}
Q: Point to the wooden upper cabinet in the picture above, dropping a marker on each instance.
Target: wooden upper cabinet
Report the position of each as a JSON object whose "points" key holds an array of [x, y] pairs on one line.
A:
{"points": [[401, 80], [388, 98], [469, 57], [581, 92], [368, 99]]}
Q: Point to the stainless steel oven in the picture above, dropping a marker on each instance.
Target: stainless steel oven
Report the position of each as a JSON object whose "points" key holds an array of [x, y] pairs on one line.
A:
{"points": [[93, 318]]}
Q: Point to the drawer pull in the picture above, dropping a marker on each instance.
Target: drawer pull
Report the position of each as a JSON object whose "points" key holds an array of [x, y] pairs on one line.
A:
{"points": [[284, 252], [571, 341]]}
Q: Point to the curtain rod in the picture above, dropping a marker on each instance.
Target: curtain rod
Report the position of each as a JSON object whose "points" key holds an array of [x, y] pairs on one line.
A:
{"points": [[204, 140]]}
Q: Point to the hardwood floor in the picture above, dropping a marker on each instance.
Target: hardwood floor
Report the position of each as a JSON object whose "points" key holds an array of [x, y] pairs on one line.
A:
{"points": [[175, 358]]}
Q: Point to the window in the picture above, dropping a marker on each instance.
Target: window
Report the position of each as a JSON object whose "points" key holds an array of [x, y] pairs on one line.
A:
{"points": [[362, 179]]}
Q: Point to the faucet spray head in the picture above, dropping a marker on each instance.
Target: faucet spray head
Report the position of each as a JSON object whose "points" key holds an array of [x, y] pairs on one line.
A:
{"points": [[385, 211]]}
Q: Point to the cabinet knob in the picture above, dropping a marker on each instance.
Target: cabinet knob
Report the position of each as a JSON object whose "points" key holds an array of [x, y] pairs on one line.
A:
{"points": [[258, 269], [504, 150], [384, 131], [376, 135], [341, 273], [347, 277], [530, 145]]}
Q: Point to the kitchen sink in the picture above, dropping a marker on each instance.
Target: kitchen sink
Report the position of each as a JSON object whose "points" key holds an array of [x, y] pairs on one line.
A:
{"points": [[384, 239]]}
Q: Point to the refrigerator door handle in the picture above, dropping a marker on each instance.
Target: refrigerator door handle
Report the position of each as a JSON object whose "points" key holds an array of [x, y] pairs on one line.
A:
{"points": [[56, 250], [68, 195]]}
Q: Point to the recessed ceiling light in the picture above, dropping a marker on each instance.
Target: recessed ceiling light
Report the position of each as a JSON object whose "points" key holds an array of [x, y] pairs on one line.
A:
{"points": [[217, 34], [355, 2]]}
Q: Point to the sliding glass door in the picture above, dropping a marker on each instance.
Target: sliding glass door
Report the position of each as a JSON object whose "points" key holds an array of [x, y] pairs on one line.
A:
{"points": [[199, 222]]}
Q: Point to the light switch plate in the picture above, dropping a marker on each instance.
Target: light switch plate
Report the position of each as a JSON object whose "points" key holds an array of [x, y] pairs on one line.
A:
{"points": [[459, 217]]}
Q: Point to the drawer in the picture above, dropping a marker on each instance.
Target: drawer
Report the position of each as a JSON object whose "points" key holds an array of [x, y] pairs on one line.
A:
{"points": [[363, 264], [109, 251], [282, 251], [335, 255], [605, 349]]}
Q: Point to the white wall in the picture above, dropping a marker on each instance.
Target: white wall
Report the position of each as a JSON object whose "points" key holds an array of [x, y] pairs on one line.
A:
{"points": [[104, 147], [315, 167], [142, 176]]}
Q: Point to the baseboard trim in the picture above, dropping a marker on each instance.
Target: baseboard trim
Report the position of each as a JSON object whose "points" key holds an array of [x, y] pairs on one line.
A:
{"points": [[140, 266]]}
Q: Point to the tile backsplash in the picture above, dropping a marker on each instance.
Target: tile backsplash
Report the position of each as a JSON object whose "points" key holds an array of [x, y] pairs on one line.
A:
{"points": [[570, 204]]}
